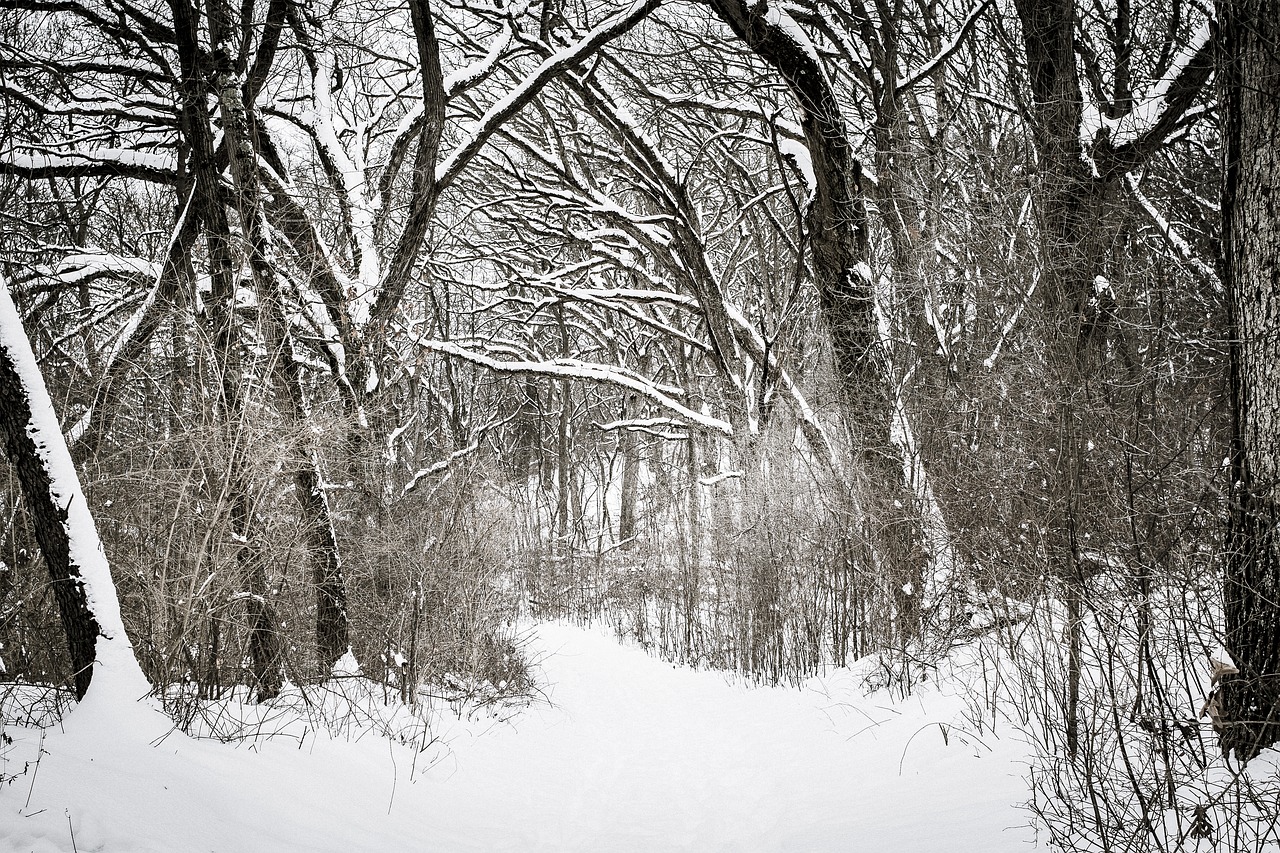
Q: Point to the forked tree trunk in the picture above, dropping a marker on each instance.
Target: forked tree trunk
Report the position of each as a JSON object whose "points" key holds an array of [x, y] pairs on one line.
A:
{"points": [[1249, 81], [265, 643], [1077, 178], [332, 633]]}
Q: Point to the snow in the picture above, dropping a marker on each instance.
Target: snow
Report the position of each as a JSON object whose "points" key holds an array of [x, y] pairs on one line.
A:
{"points": [[327, 128], [448, 170], [105, 263], [1149, 106], [443, 464], [463, 78], [989, 362], [799, 154], [939, 59], [86, 266], [1147, 110], [347, 665], [160, 164], [776, 15], [575, 369], [629, 754], [1179, 244]]}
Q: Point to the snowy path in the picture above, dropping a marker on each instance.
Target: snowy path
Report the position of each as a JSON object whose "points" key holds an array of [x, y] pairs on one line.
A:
{"points": [[634, 755], [641, 756]]}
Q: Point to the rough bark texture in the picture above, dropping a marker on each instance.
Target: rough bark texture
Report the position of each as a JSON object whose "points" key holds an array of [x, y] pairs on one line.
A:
{"points": [[49, 521], [1249, 80], [629, 449], [425, 191], [265, 644], [1069, 194], [1078, 176]]}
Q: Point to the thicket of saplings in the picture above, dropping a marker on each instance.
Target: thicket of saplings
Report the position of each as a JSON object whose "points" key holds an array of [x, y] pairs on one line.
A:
{"points": [[431, 597]]}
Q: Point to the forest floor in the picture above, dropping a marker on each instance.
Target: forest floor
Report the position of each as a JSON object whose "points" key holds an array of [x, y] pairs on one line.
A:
{"points": [[623, 753]]}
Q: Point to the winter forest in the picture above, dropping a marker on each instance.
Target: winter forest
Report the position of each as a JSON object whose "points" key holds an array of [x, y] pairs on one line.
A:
{"points": [[355, 356]]}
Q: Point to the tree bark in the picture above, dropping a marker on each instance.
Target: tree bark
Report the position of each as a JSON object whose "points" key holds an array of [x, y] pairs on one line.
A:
{"points": [[265, 643], [80, 578], [1077, 179], [1249, 83], [629, 449], [332, 635], [49, 520]]}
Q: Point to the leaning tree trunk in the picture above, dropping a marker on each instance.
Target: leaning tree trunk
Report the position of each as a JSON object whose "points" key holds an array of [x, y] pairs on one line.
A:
{"points": [[1249, 82], [64, 529]]}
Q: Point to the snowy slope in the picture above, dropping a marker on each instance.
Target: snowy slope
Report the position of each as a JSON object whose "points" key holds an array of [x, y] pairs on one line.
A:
{"points": [[631, 754]]}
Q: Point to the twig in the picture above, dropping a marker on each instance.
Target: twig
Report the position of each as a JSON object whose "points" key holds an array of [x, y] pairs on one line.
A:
{"points": [[39, 755], [391, 748]]}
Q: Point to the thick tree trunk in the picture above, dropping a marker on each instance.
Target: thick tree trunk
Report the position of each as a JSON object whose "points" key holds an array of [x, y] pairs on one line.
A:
{"points": [[1076, 179], [332, 634], [49, 521], [265, 643], [64, 529], [332, 626], [629, 449], [1249, 81]]}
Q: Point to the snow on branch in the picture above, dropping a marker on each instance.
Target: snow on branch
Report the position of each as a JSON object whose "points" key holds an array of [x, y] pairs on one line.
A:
{"points": [[725, 106], [444, 464], [84, 267], [812, 429], [136, 332], [1166, 229], [136, 109], [650, 426], [1192, 62], [465, 78], [948, 49], [528, 89], [116, 677], [990, 361], [98, 163], [1168, 107], [566, 368], [716, 479]]}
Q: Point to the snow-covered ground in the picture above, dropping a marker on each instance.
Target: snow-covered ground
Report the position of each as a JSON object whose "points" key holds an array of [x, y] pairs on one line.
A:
{"points": [[630, 754]]}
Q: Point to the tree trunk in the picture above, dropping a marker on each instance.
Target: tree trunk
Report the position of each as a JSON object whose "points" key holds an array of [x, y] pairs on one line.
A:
{"points": [[629, 449], [265, 644], [64, 529], [49, 520], [1249, 81]]}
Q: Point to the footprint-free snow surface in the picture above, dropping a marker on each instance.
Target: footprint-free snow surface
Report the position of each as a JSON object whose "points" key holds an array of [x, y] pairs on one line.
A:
{"points": [[629, 754]]}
